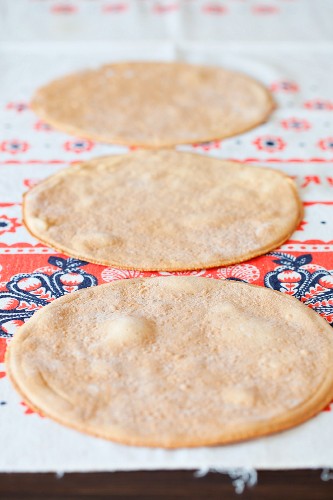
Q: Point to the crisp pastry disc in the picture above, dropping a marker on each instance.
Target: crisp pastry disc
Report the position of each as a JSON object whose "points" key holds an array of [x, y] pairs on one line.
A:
{"points": [[154, 104], [163, 210], [174, 361]]}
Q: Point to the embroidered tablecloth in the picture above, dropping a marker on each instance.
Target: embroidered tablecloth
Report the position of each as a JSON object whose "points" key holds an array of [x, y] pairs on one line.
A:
{"points": [[298, 139]]}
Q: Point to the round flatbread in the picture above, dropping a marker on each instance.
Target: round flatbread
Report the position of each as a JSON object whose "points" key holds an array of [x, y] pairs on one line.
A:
{"points": [[163, 210], [175, 361], [154, 104]]}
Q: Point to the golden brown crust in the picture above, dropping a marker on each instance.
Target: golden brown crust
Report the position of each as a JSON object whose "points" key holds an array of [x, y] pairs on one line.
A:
{"points": [[50, 104], [319, 396], [158, 260]]}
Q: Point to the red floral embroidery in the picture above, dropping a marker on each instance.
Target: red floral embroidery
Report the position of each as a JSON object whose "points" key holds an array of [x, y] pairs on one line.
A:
{"points": [[78, 146], [301, 225], [14, 146], [244, 272], [297, 276], [17, 106], [326, 144], [42, 126], [30, 411], [3, 347], [319, 104], [284, 86], [25, 293], [268, 143], [163, 9], [214, 8], [115, 8], [265, 9], [328, 407], [295, 124], [8, 225], [29, 183], [111, 274], [63, 9]]}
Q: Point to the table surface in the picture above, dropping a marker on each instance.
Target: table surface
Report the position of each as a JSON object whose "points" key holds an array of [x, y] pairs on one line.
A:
{"points": [[271, 485]]}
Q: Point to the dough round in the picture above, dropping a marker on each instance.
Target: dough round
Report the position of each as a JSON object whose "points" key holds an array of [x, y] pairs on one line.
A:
{"points": [[175, 361], [154, 104], [163, 210]]}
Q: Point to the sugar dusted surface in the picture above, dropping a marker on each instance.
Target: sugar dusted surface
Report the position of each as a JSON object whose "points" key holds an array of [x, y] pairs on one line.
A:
{"points": [[154, 104], [163, 210], [201, 361]]}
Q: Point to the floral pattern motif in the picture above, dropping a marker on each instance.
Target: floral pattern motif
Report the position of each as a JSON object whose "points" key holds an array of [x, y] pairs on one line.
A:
{"points": [[78, 146], [284, 86], [113, 274], [42, 126], [8, 224], [319, 105], [269, 143], [326, 144], [26, 293], [14, 146], [310, 283], [17, 106], [295, 124], [241, 272]]}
